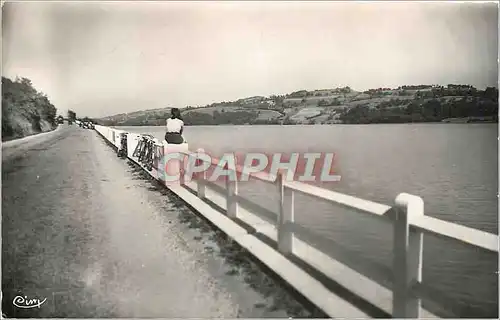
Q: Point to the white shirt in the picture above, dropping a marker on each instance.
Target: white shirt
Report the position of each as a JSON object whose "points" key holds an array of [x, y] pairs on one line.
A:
{"points": [[174, 125]]}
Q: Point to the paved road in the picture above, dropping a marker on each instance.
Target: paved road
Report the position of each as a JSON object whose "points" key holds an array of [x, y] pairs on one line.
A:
{"points": [[84, 230]]}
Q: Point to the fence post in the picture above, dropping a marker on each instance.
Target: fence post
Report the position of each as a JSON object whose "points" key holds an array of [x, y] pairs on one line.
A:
{"points": [[286, 214], [182, 170], [202, 176], [407, 256], [231, 196]]}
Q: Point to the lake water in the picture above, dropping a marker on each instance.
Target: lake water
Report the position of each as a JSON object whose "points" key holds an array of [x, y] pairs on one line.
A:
{"points": [[453, 167]]}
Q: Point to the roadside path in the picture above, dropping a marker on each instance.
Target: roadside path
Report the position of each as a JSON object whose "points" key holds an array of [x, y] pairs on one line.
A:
{"points": [[84, 230]]}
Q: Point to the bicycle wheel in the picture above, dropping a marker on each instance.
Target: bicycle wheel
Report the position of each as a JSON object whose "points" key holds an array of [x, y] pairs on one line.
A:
{"points": [[149, 162], [124, 146], [137, 149], [148, 157], [143, 150], [144, 153]]}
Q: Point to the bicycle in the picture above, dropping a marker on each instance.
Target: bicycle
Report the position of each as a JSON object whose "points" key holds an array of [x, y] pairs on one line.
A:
{"points": [[137, 150], [123, 152], [144, 148], [144, 151], [140, 148], [148, 158]]}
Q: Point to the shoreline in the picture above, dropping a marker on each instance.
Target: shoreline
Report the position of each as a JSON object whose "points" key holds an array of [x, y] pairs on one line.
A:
{"points": [[317, 124]]}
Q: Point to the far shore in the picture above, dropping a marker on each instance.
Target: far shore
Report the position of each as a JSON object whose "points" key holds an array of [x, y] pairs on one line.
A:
{"points": [[320, 124]]}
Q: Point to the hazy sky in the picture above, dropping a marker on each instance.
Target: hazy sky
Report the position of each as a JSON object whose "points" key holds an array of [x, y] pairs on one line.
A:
{"points": [[103, 58]]}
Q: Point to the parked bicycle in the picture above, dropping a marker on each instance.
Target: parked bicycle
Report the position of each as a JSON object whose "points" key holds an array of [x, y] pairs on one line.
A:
{"points": [[123, 152], [145, 151], [140, 148]]}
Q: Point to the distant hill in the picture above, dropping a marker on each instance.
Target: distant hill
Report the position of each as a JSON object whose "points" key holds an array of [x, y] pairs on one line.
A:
{"points": [[150, 117], [421, 103]]}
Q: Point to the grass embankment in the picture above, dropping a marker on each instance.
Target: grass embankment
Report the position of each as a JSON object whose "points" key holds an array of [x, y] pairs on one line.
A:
{"points": [[25, 111]]}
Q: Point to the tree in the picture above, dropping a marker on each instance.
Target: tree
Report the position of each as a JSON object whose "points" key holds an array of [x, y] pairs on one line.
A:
{"points": [[322, 103], [491, 92], [22, 103], [71, 115]]}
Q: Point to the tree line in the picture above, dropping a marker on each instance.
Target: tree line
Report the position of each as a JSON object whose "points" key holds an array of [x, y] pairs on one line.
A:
{"points": [[428, 103], [423, 110], [25, 110]]}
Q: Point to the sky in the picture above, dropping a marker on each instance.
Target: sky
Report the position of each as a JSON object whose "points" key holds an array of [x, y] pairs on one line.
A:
{"points": [[105, 58]]}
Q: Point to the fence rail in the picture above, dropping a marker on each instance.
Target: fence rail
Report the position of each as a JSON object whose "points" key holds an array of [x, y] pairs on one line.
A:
{"points": [[420, 222], [407, 216]]}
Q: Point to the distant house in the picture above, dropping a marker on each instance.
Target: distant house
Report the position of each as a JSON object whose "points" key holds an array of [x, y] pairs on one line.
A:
{"points": [[269, 102], [323, 92], [251, 100]]}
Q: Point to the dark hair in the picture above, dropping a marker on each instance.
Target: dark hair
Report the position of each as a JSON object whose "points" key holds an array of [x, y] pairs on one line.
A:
{"points": [[176, 113]]}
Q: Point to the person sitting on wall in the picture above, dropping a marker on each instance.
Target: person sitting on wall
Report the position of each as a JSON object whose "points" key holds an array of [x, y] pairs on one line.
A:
{"points": [[175, 126]]}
